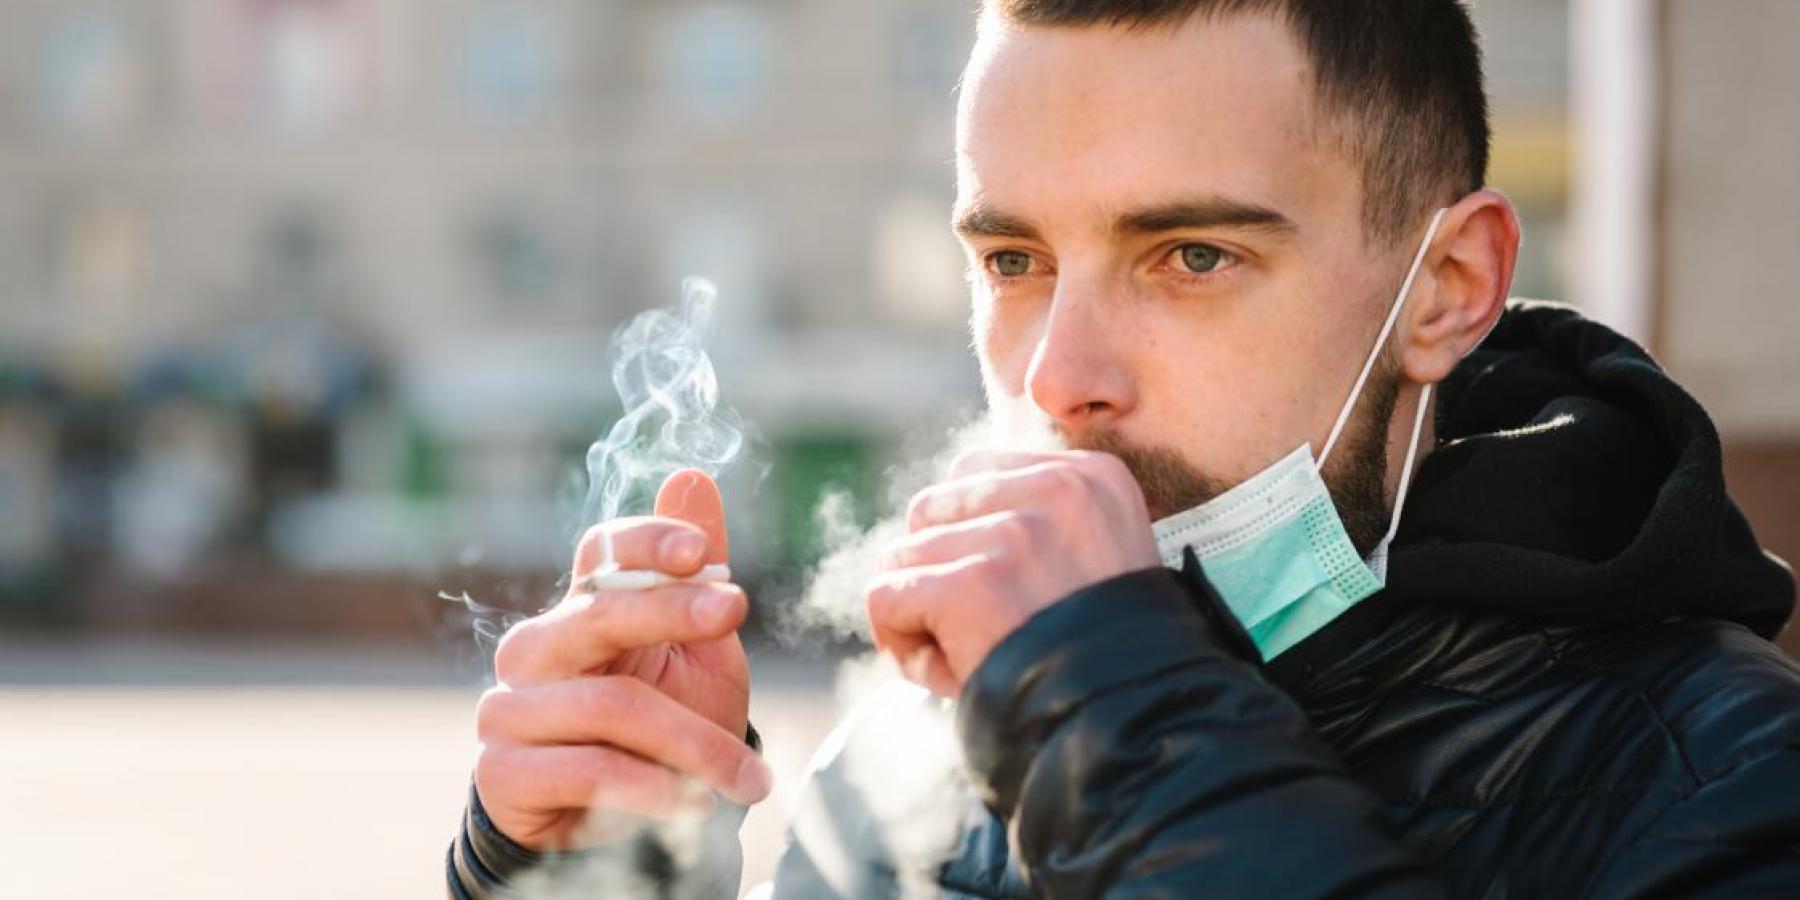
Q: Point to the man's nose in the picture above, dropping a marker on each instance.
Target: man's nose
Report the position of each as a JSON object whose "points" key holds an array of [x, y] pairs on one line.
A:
{"points": [[1078, 374]]}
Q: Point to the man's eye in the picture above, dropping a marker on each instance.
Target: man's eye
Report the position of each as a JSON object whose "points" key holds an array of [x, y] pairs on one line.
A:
{"points": [[1201, 259], [1010, 263]]}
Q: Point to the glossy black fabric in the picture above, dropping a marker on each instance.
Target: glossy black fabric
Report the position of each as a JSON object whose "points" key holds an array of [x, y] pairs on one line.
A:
{"points": [[1565, 690], [1456, 754]]}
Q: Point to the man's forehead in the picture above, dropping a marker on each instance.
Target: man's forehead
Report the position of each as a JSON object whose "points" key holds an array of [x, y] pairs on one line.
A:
{"points": [[1120, 120]]}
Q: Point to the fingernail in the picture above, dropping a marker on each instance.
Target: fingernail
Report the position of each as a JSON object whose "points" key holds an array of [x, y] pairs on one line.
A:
{"points": [[754, 781], [682, 548], [711, 605]]}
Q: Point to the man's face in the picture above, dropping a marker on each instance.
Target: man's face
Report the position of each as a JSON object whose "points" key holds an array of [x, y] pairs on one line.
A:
{"points": [[1168, 256]]}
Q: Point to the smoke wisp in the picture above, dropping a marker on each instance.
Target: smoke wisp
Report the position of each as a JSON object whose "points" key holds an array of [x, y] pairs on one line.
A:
{"points": [[831, 605], [671, 418]]}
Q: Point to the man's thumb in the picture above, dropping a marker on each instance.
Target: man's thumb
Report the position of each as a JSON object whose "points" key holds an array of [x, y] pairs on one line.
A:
{"points": [[692, 496]]}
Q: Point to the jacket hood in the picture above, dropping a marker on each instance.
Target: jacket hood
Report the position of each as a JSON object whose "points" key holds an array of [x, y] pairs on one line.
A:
{"points": [[1575, 481]]}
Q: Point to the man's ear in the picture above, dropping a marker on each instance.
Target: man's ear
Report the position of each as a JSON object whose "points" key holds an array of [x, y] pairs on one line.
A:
{"points": [[1471, 266]]}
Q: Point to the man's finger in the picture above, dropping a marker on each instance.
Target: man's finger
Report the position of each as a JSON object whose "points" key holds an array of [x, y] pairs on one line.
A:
{"points": [[657, 544], [1007, 531], [632, 715], [546, 779], [903, 611], [586, 631], [692, 496], [982, 494], [904, 605], [991, 459], [927, 667]]}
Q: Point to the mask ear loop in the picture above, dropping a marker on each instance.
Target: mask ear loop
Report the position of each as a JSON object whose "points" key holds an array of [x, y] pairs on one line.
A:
{"points": [[1387, 329], [1406, 470]]}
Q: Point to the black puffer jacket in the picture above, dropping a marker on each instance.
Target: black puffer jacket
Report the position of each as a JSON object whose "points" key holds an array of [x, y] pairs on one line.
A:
{"points": [[1565, 691]]}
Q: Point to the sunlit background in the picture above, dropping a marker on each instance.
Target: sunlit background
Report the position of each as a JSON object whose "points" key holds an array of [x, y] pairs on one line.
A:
{"points": [[305, 310]]}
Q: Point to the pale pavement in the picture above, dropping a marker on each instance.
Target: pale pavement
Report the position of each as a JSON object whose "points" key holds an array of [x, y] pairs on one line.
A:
{"points": [[225, 770]]}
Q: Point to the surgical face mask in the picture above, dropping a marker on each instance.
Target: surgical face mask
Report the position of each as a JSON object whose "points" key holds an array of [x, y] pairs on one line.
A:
{"points": [[1274, 547]]}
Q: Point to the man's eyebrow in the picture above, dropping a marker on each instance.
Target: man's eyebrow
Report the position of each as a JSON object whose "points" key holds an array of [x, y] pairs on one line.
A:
{"points": [[985, 222], [1210, 212]]}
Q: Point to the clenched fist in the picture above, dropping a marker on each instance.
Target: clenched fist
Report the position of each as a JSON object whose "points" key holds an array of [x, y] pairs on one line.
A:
{"points": [[620, 702], [1010, 534]]}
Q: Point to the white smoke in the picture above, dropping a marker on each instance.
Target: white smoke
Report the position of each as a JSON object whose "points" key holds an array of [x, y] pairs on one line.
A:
{"points": [[832, 603], [670, 420], [896, 748], [670, 397]]}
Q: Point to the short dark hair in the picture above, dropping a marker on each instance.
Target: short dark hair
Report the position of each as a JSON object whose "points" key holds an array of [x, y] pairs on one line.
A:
{"points": [[1402, 80]]}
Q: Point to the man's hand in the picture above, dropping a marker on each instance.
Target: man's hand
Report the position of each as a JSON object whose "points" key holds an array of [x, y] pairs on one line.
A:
{"points": [[620, 701], [1009, 535]]}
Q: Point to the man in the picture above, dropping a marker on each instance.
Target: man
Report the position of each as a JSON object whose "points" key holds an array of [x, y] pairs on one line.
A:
{"points": [[1227, 247]]}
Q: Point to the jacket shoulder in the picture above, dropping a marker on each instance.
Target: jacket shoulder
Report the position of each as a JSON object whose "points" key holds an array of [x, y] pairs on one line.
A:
{"points": [[1723, 696], [1730, 704]]}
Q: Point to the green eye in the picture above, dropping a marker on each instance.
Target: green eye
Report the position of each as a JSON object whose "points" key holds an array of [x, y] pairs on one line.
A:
{"points": [[1010, 263], [1201, 259]]}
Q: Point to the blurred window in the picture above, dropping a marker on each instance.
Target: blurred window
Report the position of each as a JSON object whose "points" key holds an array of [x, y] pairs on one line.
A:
{"points": [[99, 253], [515, 258], [99, 266], [918, 264], [302, 60], [726, 248], [719, 60], [508, 63], [91, 71]]}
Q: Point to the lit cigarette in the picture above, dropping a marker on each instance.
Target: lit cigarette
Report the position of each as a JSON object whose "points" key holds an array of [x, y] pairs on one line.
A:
{"points": [[609, 578]]}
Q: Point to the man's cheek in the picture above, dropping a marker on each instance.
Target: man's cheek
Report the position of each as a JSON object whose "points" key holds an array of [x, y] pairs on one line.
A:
{"points": [[1005, 339]]}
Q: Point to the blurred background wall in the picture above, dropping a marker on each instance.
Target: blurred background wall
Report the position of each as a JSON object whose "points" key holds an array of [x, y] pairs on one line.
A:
{"points": [[1728, 322], [307, 300], [303, 318]]}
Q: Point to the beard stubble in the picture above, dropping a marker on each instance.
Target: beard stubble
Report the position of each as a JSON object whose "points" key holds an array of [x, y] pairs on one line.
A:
{"points": [[1357, 479]]}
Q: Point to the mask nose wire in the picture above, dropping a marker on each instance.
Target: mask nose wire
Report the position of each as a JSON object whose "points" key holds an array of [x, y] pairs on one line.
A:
{"points": [[1387, 329]]}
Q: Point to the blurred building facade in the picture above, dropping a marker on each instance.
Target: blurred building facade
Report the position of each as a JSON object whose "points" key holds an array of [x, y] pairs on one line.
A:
{"points": [[1727, 320], [326, 284], [306, 301]]}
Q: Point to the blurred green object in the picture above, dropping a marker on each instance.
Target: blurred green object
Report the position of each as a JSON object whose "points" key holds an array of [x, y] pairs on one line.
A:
{"points": [[425, 470], [808, 467]]}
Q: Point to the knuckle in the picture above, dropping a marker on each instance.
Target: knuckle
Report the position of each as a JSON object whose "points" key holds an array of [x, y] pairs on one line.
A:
{"points": [[878, 600], [919, 508], [1014, 531], [592, 539], [493, 765], [510, 655], [994, 573], [966, 460], [897, 555], [491, 712], [1066, 480]]}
